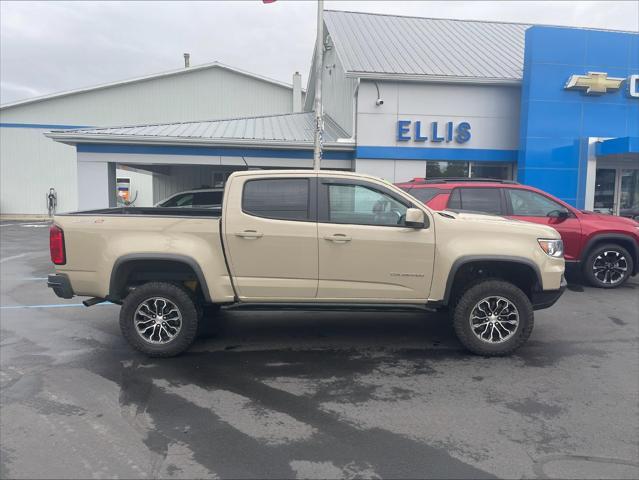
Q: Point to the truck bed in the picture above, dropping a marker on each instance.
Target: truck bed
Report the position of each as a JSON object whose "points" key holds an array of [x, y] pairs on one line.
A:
{"points": [[154, 211]]}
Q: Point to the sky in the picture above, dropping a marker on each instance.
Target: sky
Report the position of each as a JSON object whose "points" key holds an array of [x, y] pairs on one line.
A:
{"points": [[48, 47]]}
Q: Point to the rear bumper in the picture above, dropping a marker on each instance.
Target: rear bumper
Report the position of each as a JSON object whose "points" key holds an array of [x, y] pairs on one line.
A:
{"points": [[60, 284], [547, 298]]}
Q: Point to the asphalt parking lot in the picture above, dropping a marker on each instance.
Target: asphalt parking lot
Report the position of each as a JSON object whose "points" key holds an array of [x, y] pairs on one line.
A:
{"points": [[311, 395]]}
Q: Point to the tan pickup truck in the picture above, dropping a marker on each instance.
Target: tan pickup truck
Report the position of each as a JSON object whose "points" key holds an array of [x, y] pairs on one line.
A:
{"points": [[303, 237]]}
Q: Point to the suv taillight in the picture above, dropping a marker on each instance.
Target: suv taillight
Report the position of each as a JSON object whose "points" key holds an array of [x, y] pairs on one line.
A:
{"points": [[56, 245]]}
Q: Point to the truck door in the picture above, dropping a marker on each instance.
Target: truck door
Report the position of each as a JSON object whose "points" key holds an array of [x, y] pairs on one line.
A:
{"points": [[270, 232], [366, 253]]}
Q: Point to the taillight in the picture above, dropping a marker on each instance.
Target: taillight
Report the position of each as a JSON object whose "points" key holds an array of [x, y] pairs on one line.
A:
{"points": [[56, 245]]}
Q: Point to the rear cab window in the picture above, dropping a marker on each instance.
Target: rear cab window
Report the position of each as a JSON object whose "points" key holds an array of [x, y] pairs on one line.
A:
{"points": [[278, 198]]}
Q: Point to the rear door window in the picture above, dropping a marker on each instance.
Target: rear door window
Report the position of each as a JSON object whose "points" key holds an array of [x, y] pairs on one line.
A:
{"points": [[484, 200], [277, 198]]}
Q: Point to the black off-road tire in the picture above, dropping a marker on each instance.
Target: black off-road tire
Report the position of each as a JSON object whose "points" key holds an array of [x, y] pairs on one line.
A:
{"points": [[588, 265], [181, 298], [487, 288]]}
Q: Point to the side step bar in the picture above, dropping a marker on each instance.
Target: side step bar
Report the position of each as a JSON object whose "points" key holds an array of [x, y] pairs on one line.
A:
{"points": [[362, 307]]}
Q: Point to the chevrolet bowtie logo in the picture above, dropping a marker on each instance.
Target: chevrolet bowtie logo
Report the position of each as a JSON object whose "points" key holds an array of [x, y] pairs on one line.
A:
{"points": [[595, 83]]}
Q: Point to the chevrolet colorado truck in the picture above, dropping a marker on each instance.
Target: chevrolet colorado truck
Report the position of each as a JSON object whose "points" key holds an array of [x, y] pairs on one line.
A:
{"points": [[320, 239]]}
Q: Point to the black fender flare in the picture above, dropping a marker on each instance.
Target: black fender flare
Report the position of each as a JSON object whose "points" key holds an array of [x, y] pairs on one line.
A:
{"points": [[612, 237], [123, 260], [461, 261]]}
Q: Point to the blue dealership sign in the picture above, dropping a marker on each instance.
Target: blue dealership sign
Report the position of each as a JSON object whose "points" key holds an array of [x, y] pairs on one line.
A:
{"points": [[408, 130]]}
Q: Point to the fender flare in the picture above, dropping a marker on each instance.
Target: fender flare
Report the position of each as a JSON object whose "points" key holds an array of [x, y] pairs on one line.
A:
{"points": [[461, 261], [603, 237], [184, 259]]}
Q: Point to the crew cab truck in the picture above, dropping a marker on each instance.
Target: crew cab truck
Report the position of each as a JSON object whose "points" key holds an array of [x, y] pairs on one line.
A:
{"points": [[307, 237]]}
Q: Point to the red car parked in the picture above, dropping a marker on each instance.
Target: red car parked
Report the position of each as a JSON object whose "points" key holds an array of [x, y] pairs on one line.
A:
{"points": [[606, 247]]}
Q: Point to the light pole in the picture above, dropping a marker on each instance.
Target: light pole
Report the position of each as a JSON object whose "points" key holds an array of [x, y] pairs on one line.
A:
{"points": [[319, 61]]}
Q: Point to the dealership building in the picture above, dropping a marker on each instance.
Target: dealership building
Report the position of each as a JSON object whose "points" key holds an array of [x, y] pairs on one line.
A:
{"points": [[404, 97]]}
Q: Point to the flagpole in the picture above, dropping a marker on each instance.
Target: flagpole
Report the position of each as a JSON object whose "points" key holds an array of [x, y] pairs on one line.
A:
{"points": [[319, 61]]}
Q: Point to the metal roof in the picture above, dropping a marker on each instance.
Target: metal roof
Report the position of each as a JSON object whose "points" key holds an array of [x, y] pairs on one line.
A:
{"points": [[179, 71], [388, 46], [290, 129]]}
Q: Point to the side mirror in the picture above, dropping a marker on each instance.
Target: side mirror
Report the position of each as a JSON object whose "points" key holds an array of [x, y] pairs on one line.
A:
{"points": [[414, 218], [558, 214]]}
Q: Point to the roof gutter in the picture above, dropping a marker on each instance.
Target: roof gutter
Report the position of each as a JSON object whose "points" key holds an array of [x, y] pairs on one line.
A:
{"points": [[402, 77], [71, 138]]}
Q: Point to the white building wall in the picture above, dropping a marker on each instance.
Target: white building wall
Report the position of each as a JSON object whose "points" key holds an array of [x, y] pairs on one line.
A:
{"points": [[32, 163], [492, 111]]}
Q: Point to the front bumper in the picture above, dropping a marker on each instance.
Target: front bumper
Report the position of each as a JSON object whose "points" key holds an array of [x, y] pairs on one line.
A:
{"points": [[547, 298], [60, 284]]}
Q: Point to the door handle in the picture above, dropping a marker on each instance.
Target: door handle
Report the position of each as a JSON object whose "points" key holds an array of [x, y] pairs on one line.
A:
{"points": [[249, 234], [338, 238]]}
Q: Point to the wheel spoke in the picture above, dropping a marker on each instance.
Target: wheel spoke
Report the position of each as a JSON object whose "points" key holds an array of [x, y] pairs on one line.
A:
{"points": [[151, 321], [494, 319]]}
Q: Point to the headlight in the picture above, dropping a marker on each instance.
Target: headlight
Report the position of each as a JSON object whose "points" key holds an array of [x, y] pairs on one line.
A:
{"points": [[552, 247]]}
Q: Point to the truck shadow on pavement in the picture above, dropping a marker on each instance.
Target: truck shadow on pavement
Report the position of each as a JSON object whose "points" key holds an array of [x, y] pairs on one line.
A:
{"points": [[223, 401]]}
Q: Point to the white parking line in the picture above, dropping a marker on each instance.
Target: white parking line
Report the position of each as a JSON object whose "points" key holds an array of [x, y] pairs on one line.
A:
{"points": [[6, 259], [32, 224]]}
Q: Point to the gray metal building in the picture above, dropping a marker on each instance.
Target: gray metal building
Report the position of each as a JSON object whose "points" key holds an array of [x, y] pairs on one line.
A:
{"points": [[403, 97], [31, 163]]}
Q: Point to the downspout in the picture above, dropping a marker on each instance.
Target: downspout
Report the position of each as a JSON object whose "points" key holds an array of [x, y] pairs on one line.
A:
{"points": [[354, 122]]}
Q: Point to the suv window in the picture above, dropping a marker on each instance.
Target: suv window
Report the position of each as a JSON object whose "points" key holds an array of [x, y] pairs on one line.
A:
{"points": [[486, 200], [423, 194], [279, 198], [532, 204], [185, 199], [360, 205], [207, 198]]}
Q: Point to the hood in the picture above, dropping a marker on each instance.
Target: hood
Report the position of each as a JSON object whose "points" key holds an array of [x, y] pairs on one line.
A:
{"points": [[609, 219], [542, 231]]}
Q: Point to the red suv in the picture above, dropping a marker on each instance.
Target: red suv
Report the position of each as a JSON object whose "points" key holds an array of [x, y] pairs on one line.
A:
{"points": [[606, 247]]}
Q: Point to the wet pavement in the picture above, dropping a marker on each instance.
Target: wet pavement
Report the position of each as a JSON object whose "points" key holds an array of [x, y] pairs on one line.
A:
{"points": [[309, 394]]}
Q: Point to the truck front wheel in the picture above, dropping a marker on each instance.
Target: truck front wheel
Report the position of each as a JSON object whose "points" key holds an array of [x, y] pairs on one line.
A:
{"points": [[493, 318], [159, 319]]}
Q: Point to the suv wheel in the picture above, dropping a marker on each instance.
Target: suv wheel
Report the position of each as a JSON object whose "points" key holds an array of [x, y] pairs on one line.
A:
{"points": [[159, 319], [608, 266], [493, 318]]}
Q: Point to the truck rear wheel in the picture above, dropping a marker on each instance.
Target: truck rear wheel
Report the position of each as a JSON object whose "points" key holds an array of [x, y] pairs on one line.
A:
{"points": [[493, 318], [159, 319]]}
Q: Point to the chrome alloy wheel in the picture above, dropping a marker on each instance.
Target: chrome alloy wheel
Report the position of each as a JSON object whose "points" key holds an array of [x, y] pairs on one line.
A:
{"points": [[610, 267], [494, 319], [157, 320]]}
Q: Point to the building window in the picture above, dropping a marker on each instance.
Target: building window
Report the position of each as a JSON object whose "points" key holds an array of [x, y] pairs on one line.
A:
{"points": [[500, 171], [446, 169]]}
